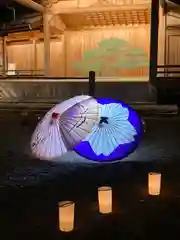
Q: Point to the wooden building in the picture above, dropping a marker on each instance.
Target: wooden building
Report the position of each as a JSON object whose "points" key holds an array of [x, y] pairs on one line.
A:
{"points": [[79, 28], [91, 34], [110, 37], [88, 35]]}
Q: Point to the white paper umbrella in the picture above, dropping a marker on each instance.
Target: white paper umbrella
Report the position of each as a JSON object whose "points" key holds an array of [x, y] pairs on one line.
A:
{"points": [[64, 126]]}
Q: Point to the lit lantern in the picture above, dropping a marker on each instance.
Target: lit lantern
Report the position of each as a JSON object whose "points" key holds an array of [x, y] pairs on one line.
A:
{"points": [[105, 199], [11, 69], [154, 183], [66, 216]]}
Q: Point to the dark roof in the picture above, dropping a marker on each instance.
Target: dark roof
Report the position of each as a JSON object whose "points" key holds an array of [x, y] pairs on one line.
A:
{"points": [[13, 14], [3, 3], [7, 11], [175, 1]]}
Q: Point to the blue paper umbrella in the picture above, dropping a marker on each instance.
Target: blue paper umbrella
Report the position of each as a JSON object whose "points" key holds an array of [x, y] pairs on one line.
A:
{"points": [[115, 136]]}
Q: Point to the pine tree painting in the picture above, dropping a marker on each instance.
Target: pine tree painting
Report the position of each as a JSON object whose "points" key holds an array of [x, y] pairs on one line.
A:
{"points": [[112, 55]]}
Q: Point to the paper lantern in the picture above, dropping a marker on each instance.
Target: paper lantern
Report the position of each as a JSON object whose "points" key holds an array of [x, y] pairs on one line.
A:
{"points": [[105, 199], [11, 69], [154, 183], [66, 216]]}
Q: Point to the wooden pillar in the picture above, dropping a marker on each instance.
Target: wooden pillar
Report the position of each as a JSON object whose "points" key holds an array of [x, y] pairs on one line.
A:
{"points": [[46, 44], [4, 48], [165, 33], [154, 42], [34, 57], [162, 35]]}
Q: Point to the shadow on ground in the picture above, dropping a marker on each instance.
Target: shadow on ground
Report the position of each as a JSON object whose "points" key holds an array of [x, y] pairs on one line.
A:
{"points": [[30, 189]]}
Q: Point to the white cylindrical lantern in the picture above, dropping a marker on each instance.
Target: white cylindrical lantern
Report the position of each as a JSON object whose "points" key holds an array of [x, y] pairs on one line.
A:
{"points": [[11, 69], [154, 183], [105, 199], [66, 216]]}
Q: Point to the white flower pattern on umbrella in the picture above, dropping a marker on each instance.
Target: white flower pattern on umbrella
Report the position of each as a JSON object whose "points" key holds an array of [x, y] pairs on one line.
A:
{"points": [[64, 126], [112, 130]]}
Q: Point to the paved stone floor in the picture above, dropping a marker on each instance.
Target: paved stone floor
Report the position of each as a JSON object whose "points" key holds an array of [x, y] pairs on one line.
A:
{"points": [[30, 190]]}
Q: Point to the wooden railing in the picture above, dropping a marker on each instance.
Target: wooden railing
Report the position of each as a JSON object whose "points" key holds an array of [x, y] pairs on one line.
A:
{"points": [[21, 73], [33, 75], [168, 71]]}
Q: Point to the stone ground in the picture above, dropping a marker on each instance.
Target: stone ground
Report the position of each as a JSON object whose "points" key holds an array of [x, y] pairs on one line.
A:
{"points": [[30, 190]]}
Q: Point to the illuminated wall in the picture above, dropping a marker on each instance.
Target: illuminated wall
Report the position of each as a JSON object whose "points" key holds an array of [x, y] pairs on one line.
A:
{"points": [[110, 52], [99, 49]]}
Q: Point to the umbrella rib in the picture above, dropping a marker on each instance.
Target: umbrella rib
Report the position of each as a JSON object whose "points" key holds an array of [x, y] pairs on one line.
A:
{"points": [[77, 118]]}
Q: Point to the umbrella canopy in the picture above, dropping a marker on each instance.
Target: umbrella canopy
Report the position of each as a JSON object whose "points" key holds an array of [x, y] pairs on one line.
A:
{"points": [[115, 136], [64, 126]]}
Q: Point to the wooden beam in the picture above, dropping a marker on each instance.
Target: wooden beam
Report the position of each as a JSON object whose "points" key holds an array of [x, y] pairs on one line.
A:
{"points": [[135, 7], [34, 55], [56, 24], [31, 4], [173, 7], [47, 39]]}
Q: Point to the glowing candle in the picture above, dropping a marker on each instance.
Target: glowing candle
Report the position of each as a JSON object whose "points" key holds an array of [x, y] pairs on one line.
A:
{"points": [[66, 216], [154, 183], [105, 199]]}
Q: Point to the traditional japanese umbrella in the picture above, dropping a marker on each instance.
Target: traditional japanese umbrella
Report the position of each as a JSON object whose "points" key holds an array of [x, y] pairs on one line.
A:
{"points": [[64, 126], [115, 136]]}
